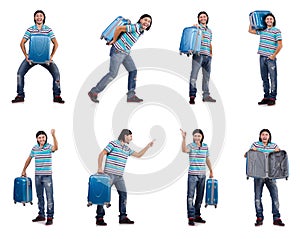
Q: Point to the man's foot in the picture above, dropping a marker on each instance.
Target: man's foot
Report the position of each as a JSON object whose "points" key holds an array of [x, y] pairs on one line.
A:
{"points": [[18, 99], [93, 97], [126, 220], [199, 220], [278, 222], [58, 99], [271, 102], [192, 100], [134, 99], [208, 99], [39, 219], [191, 221], [264, 101], [49, 221], [100, 222], [259, 222]]}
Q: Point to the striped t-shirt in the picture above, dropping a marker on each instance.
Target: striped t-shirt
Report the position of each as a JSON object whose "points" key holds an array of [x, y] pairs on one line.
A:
{"points": [[197, 158], [117, 155], [268, 41], [128, 38], [206, 40], [47, 31], [43, 159], [270, 147]]}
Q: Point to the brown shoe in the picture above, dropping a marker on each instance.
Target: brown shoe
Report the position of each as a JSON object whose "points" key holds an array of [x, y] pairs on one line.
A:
{"points": [[39, 219]]}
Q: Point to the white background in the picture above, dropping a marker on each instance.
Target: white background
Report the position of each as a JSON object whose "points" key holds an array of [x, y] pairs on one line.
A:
{"points": [[235, 72]]}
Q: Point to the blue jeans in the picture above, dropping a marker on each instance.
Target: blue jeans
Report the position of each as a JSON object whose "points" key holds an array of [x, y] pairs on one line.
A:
{"points": [[119, 183], [198, 62], [195, 183], [25, 67], [116, 59], [272, 187], [44, 182], [268, 68]]}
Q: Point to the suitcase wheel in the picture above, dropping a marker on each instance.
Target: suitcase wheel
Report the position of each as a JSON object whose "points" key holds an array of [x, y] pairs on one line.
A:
{"points": [[108, 205], [23, 204], [286, 178], [247, 177], [205, 205], [215, 206], [31, 203], [89, 204], [15, 202]]}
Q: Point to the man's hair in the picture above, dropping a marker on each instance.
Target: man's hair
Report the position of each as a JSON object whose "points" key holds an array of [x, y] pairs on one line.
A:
{"points": [[123, 133], [39, 11], [143, 16], [203, 12], [270, 15], [265, 130], [41, 133], [199, 131]]}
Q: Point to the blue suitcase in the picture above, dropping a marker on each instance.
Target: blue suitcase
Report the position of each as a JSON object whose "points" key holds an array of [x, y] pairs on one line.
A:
{"points": [[99, 190], [39, 49], [108, 33], [23, 190], [190, 41], [257, 19], [211, 192]]}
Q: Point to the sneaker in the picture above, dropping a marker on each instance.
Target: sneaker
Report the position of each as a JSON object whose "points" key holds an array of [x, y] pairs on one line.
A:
{"points": [[278, 222], [208, 99], [18, 99], [199, 220], [134, 99], [39, 219], [191, 222], [126, 220], [100, 222], [271, 102], [259, 221], [264, 101], [58, 99], [49, 221], [192, 100], [93, 97]]}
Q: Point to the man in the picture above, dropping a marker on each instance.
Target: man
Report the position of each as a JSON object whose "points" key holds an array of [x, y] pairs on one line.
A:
{"points": [[40, 29], [124, 38], [42, 152], [198, 159], [117, 153], [265, 145], [269, 46], [202, 59]]}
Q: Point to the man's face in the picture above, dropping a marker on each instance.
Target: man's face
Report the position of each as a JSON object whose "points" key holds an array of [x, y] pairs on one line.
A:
{"points": [[265, 137], [269, 21], [197, 138], [127, 138], [39, 18], [202, 18], [41, 139], [145, 22]]}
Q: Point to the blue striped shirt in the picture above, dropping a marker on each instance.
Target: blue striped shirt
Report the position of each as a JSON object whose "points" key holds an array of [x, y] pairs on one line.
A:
{"points": [[47, 31], [268, 41], [206, 40], [197, 158], [116, 159], [270, 147], [43, 159], [128, 38]]}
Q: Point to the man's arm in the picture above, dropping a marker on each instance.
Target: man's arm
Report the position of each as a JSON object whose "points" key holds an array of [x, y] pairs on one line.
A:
{"points": [[279, 46], [26, 165], [55, 144], [23, 48], [144, 150], [252, 31], [183, 144], [208, 163], [100, 160], [55, 46], [117, 33]]}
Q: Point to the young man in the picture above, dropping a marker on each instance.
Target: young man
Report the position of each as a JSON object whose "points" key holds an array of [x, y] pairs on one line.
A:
{"points": [[202, 59], [198, 160], [42, 152], [269, 46], [124, 38], [117, 153], [265, 145], [40, 29]]}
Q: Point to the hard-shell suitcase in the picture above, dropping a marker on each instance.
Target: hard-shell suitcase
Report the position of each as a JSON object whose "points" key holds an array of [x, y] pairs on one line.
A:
{"points": [[257, 19], [108, 33], [23, 190], [99, 190], [190, 42], [39, 49], [272, 165], [211, 192]]}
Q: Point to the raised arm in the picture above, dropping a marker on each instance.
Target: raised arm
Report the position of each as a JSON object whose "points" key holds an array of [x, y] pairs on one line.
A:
{"points": [[183, 144], [55, 144], [144, 150], [252, 31]]}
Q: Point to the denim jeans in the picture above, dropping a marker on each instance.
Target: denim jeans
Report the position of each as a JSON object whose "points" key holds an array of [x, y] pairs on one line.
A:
{"points": [[199, 61], [272, 187], [44, 182], [268, 68], [195, 184], [119, 183], [116, 59], [25, 67]]}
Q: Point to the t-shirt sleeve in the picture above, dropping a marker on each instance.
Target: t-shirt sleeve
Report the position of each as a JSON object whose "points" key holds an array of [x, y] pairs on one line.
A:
{"points": [[278, 36], [130, 151], [51, 34], [109, 147], [132, 27], [27, 34]]}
